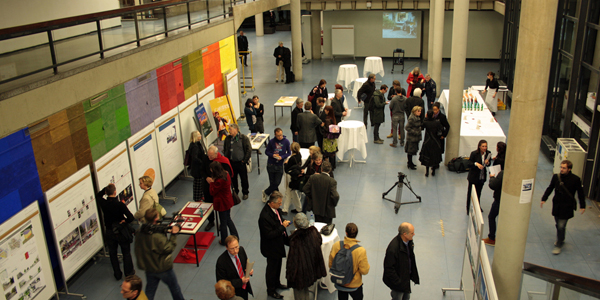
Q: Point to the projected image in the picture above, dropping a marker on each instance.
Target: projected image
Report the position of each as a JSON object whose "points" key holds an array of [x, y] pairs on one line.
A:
{"points": [[399, 25]]}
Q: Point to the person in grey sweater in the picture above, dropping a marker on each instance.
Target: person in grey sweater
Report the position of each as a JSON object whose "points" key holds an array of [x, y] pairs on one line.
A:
{"points": [[397, 106]]}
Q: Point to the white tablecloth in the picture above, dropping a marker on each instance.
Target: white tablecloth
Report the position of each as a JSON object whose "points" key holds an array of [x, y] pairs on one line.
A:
{"points": [[373, 64], [354, 136], [326, 246], [356, 86], [479, 125], [347, 74]]}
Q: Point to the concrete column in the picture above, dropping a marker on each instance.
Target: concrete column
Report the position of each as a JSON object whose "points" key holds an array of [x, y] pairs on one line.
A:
{"points": [[438, 43], [296, 38], [534, 52], [259, 24], [315, 27], [460, 26], [431, 33]]}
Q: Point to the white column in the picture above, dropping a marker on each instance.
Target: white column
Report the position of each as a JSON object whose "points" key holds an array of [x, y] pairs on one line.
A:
{"points": [[259, 24], [431, 32], [296, 38], [438, 43]]}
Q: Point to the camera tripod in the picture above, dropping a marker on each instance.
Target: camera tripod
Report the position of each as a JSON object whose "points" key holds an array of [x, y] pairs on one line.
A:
{"points": [[400, 184]]}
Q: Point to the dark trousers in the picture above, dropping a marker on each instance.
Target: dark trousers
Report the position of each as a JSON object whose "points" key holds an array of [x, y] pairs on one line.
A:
{"points": [[244, 58], [275, 175], [226, 222], [356, 295], [492, 219], [240, 292], [288, 74], [112, 242], [366, 114], [294, 137], [169, 278], [323, 219], [320, 139], [239, 169], [376, 131], [272, 274], [430, 101], [306, 145], [561, 230], [478, 187]]}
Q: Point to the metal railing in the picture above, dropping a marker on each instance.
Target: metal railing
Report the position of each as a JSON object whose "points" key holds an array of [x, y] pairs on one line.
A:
{"points": [[545, 283]]}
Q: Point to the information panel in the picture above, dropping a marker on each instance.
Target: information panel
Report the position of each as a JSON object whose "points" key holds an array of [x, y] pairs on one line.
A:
{"points": [[186, 120], [204, 98], [114, 168], [170, 152], [233, 90], [143, 155], [25, 267], [75, 219]]}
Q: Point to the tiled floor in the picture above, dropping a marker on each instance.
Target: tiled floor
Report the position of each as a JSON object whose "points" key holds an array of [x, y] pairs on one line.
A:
{"points": [[438, 251]]}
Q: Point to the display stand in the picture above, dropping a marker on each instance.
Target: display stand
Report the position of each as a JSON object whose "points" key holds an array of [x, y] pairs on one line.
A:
{"points": [[170, 152]]}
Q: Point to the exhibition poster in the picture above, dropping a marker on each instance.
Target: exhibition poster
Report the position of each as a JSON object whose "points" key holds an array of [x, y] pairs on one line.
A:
{"points": [[74, 217], [202, 117], [114, 168], [168, 135], [25, 268], [186, 120], [204, 98], [233, 91], [143, 155], [222, 115]]}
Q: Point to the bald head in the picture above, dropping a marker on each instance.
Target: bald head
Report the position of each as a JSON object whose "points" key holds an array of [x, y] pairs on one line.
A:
{"points": [[406, 231]]}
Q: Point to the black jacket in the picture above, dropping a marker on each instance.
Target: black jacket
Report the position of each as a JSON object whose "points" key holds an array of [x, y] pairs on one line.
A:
{"points": [[245, 144], [368, 88], [242, 43], [273, 235], [278, 51], [199, 161], [564, 204], [295, 112], [412, 102], [293, 167], [338, 109], [227, 271], [474, 171], [114, 211], [496, 185], [321, 195], [446, 127], [396, 273], [305, 263]]}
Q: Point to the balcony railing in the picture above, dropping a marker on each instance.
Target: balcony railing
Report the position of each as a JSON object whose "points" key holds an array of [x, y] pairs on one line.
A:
{"points": [[545, 283]]}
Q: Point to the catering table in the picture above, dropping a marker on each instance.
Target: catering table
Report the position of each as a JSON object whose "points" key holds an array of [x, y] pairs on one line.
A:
{"points": [[347, 74], [285, 101], [373, 64], [194, 220], [356, 86], [353, 136], [257, 141], [289, 193], [328, 242]]}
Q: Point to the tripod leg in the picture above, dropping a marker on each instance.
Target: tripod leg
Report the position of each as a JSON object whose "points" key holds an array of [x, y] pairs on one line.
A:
{"points": [[388, 191], [398, 197]]}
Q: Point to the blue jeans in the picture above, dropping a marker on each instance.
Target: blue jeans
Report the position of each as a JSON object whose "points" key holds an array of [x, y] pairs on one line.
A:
{"points": [[275, 175], [169, 278], [400, 295], [226, 221], [561, 230]]}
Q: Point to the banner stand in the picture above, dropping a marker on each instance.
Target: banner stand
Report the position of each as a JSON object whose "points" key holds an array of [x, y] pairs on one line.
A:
{"points": [[67, 293]]}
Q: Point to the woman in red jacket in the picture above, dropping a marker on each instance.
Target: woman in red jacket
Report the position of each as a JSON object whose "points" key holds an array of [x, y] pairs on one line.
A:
{"points": [[220, 189], [415, 80]]}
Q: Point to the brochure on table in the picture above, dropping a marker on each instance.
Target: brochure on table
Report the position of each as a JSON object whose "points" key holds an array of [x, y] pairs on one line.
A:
{"points": [[143, 156], [168, 134], [186, 120], [204, 98], [25, 268], [75, 219], [233, 90], [114, 168]]}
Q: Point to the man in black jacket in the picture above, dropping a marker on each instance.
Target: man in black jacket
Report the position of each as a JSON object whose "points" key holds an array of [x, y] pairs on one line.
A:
{"points": [[496, 186], [338, 107], [242, 41], [399, 264], [295, 112], [273, 238], [238, 149], [231, 266], [413, 101], [321, 194], [364, 94], [278, 54], [564, 185]]}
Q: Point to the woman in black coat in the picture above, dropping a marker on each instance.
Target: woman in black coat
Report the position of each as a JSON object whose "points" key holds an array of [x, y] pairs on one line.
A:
{"points": [[318, 91], [478, 160], [250, 113], [413, 135], [438, 115], [431, 151], [260, 111], [499, 159], [199, 164]]}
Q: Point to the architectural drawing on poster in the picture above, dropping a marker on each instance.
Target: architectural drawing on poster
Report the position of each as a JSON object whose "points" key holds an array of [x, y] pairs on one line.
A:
{"points": [[144, 160], [170, 150], [114, 168]]}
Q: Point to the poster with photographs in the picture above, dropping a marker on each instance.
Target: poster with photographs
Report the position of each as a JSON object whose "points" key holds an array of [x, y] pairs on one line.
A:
{"points": [[223, 116], [204, 98], [25, 269], [170, 151], [114, 168], [144, 160], [74, 217]]}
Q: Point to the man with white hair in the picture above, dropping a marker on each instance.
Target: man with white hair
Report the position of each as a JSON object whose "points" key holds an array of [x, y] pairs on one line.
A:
{"points": [[413, 101]]}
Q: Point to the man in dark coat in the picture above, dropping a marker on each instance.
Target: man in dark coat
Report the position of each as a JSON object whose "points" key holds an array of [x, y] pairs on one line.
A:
{"points": [[377, 112], [295, 112], [496, 186], [338, 107], [278, 54], [564, 185], [287, 64], [438, 115], [231, 266], [321, 194], [273, 238], [242, 41], [364, 94], [430, 91], [399, 264], [413, 101], [308, 124], [238, 149]]}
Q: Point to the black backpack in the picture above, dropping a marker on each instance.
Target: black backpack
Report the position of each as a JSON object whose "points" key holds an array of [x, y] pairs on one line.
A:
{"points": [[459, 165], [342, 268]]}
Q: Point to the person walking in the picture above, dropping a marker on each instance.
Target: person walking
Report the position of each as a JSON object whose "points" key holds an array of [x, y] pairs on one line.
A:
{"points": [[399, 263], [478, 160], [413, 135], [378, 115], [220, 190], [278, 150], [397, 106], [360, 264], [431, 150], [238, 149]]}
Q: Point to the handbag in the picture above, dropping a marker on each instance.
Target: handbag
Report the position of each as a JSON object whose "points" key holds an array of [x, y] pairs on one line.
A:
{"points": [[187, 161], [124, 232], [161, 210], [236, 198]]}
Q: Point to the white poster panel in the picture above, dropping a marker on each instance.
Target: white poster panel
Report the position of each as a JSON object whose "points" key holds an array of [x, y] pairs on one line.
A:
{"points": [[114, 168], [25, 268], [204, 97], [168, 134], [233, 90], [186, 120], [143, 155], [75, 219], [486, 289]]}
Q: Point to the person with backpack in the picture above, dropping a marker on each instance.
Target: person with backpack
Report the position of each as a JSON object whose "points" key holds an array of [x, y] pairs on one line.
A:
{"points": [[399, 264], [347, 264]]}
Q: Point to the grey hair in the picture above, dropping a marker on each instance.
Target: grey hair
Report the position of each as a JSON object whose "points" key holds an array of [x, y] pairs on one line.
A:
{"points": [[275, 195], [403, 228], [213, 149], [299, 101], [417, 92], [235, 126]]}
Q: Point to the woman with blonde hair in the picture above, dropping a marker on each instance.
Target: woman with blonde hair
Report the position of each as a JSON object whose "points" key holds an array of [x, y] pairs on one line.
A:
{"points": [[149, 198], [415, 80], [198, 165], [413, 135]]}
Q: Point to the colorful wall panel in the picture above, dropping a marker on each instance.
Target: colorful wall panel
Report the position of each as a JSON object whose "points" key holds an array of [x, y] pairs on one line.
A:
{"points": [[170, 85], [227, 49], [61, 145], [143, 103], [193, 73], [211, 58], [107, 120]]}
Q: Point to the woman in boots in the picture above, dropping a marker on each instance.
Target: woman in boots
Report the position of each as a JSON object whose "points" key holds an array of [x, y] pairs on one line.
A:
{"points": [[413, 135]]}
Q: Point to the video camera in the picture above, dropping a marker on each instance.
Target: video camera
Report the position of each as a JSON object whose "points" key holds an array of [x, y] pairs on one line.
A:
{"points": [[164, 225]]}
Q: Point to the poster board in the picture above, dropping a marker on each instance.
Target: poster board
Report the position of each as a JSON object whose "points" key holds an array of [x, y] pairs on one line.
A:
{"points": [[114, 168], [143, 156], [203, 120], [222, 115], [473, 247], [233, 90], [25, 268], [170, 153], [75, 219], [342, 40], [186, 120], [204, 98], [486, 288]]}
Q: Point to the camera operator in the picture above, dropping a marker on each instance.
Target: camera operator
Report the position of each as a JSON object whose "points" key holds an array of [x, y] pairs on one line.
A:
{"points": [[153, 251]]}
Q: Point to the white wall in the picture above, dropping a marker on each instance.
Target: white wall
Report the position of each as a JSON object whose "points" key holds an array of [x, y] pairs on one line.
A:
{"points": [[484, 39], [23, 12]]}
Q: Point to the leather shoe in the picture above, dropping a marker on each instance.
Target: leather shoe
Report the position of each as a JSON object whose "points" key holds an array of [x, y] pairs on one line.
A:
{"points": [[283, 287], [276, 295], [209, 226], [245, 197]]}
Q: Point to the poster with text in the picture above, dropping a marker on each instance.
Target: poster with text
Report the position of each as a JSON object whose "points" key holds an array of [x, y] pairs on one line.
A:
{"points": [[75, 219], [25, 269], [144, 160], [203, 120], [114, 168], [186, 120], [204, 98], [170, 152], [221, 113]]}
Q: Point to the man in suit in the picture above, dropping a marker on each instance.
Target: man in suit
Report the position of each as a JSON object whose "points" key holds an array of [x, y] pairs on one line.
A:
{"points": [[308, 124], [273, 238], [413, 101], [242, 41], [320, 112], [338, 107], [231, 266], [295, 112], [321, 194]]}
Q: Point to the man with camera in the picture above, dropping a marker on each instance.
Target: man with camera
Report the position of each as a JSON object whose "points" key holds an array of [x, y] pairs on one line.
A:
{"points": [[153, 251]]}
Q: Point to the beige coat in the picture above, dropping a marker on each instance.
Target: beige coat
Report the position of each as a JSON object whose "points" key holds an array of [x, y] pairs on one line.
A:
{"points": [[148, 199]]}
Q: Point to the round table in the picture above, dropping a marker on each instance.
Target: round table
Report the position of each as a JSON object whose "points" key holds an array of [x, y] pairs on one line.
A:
{"points": [[373, 64], [347, 74], [353, 136], [328, 242]]}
